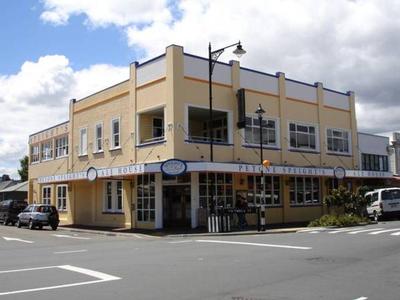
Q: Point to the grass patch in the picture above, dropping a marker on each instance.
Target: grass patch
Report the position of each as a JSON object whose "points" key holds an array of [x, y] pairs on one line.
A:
{"points": [[338, 220]]}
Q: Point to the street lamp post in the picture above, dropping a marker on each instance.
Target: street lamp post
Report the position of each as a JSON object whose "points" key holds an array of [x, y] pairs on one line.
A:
{"points": [[260, 111], [212, 60]]}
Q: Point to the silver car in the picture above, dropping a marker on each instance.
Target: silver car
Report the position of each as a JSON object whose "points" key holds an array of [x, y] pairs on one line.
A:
{"points": [[39, 215]]}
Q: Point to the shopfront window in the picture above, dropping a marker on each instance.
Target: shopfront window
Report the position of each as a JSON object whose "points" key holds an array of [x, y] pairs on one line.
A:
{"points": [[216, 184], [62, 197], [304, 190], [146, 209], [271, 190], [46, 195], [113, 196]]}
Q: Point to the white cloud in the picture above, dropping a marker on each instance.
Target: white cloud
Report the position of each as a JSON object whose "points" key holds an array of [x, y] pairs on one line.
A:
{"points": [[37, 97], [105, 12]]}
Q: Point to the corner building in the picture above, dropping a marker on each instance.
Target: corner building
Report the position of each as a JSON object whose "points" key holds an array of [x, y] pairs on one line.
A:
{"points": [[124, 133]]}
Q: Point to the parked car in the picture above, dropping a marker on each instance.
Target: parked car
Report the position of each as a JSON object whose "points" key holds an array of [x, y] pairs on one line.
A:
{"points": [[39, 215], [384, 203], [9, 210]]}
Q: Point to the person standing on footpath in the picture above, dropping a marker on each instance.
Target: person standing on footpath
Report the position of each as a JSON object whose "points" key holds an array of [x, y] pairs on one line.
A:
{"points": [[241, 207]]}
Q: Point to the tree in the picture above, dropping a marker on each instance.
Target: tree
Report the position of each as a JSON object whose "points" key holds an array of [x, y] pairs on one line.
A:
{"points": [[352, 203], [23, 171]]}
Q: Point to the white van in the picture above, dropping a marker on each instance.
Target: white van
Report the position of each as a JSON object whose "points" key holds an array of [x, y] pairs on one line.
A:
{"points": [[384, 202]]}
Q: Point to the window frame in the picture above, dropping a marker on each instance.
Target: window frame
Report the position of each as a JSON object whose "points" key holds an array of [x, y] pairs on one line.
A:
{"points": [[342, 130], [63, 199], [114, 197], [304, 191], [113, 140], [97, 139], [304, 149], [146, 185], [265, 145], [47, 199], [64, 147], [83, 152], [33, 154], [162, 136], [220, 189], [252, 200], [43, 156]]}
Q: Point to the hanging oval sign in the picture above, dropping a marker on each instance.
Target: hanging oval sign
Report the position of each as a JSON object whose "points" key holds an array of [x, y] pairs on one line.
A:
{"points": [[91, 174], [339, 172], [173, 167]]}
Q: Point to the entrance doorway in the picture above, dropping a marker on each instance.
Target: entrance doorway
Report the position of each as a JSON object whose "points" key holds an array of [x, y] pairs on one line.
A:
{"points": [[176, 206]]}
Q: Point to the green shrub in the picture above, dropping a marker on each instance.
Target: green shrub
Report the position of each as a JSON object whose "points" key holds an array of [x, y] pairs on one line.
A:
{"points": [[339, 221]]}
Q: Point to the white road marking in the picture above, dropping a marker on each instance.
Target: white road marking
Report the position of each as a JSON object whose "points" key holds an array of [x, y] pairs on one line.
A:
{"points": [[71, 237], [364, 230], [101, 277], [362, 298], [255, 244], [311, 229], [180, 242], [17, 240], [72, 251], [343, 230], [313, 232], [396, 233], [384, 231], [138, 236]]}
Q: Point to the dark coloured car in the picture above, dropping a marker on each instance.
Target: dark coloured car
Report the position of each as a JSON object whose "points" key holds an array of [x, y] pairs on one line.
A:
{"points": [[39, 215], [9, 210]]}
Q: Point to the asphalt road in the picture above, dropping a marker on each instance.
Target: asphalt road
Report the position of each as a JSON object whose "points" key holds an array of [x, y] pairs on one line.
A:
{"points": [[354, 263]]}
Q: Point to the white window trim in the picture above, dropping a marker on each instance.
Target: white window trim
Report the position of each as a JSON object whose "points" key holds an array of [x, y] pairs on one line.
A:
{"points": [[55, 145], [66, 197], [112, 133], [277, 133], [52, 150], [45, 187], [39, 154], [338, 152], [114, 197], [83, 152], [229, 120], [95, 148], [138, 137], [302, 149]]}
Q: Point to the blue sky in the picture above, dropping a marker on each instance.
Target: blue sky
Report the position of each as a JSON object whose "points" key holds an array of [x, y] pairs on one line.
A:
{"points": [[55, 50]]}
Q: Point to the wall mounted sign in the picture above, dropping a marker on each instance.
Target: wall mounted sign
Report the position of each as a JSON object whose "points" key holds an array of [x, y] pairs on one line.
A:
{"points": [[173, 167], [339, 172], [91, 174]]}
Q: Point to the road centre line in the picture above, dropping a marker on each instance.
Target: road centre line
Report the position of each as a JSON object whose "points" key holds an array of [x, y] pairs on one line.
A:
{"points": [[364, 230], [72, 251], [101, 277], [255, 244], [383, 231], [71, 237]]}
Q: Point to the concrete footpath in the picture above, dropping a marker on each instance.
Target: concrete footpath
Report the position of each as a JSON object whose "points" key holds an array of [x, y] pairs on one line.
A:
{"points": [[171, 233]]}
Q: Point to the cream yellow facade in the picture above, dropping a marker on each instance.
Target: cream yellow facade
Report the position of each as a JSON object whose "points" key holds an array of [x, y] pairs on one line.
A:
{"points": [[127, 131]]}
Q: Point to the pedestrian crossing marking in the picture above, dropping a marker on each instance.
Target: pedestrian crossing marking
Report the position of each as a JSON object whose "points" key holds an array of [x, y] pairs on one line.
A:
{"points": [[343, 230], [384, 231], [395, 233], [364, 230]]}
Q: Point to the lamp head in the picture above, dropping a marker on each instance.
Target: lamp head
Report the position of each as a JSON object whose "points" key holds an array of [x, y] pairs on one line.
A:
{"points": [[239, 51], [260, 111]]}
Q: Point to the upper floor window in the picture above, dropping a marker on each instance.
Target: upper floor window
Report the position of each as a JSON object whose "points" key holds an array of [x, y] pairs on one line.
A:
{"points": [[98, 133], [83, 141], [115, 133], [158, 128], [47, 150], [338, 140], [270, 132], [373, 162], [62, 146], [198, 126], [35, 155], [303, 136]]}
